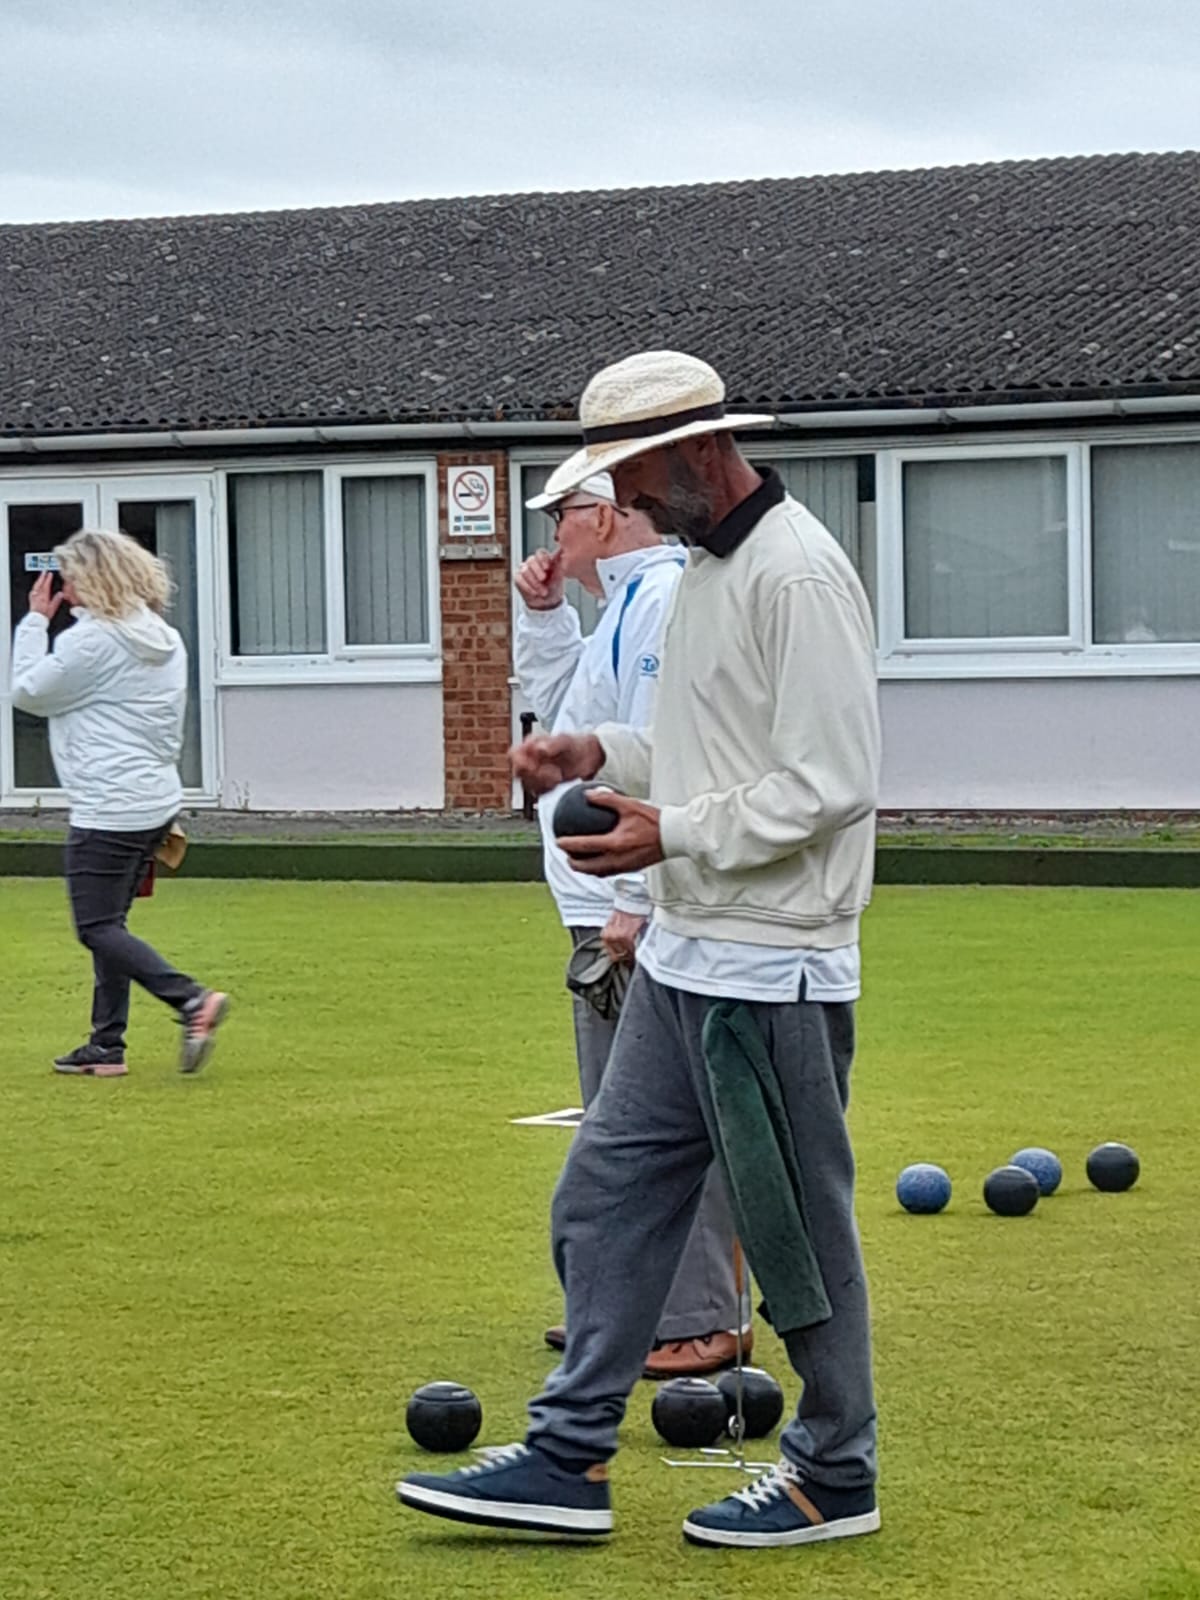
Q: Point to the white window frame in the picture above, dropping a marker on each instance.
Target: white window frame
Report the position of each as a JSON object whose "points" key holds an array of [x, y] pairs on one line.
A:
{"points": [[1075, 654], [340, 662], [894, 646]]}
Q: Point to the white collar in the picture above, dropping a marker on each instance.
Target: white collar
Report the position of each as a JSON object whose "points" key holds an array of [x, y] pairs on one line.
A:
{"points": [[615, 572]]}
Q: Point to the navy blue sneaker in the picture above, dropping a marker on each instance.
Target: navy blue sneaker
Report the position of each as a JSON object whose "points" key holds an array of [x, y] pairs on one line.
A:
{"points": [[783, 1508], [515, 1487]]}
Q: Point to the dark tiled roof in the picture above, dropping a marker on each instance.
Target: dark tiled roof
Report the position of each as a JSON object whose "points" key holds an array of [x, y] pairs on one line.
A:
{"points": [[1039, 278]]}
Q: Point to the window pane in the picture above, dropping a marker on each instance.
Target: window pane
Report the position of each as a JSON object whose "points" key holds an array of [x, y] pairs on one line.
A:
{"points": [[828, 487], [539, 535], [386, 560], [840, 492], [985, 549], [1146, 543], [277, 563], [167, 528]]}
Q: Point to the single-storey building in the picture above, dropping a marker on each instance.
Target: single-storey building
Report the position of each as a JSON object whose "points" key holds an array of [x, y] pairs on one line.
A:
{"points": [[986, 379]]}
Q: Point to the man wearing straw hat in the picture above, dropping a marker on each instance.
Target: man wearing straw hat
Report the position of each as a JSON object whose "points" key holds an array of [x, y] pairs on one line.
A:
{"points": [[760, 775]]}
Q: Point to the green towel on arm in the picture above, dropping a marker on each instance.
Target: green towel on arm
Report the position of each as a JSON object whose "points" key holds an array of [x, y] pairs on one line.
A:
{"points": [[754, 1146]]}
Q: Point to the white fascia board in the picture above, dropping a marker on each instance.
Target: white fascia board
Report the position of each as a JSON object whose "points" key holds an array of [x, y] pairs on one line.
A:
{"points": [[330, 433], [1041, 410], [903, 416]]}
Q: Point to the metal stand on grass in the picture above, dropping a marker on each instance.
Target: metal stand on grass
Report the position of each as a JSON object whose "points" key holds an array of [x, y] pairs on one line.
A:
{"points": [[735, 1459]]}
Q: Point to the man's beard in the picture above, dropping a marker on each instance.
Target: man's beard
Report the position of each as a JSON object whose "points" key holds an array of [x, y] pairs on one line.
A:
{"points": [[687, 512]]}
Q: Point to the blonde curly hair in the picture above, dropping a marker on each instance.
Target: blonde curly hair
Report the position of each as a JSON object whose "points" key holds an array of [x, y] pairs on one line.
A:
{"points": [[113, 574]]}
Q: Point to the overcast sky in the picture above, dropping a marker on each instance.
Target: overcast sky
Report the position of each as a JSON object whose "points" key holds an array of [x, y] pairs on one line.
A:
{"points": [[149, 107]]}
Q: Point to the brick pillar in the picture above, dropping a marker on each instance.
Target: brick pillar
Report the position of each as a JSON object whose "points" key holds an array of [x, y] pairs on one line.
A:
{"points": [[476, 651]]}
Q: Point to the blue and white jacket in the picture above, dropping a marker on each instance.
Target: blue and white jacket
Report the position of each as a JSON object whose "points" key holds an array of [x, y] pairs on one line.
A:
{"points": [[573, 684]]}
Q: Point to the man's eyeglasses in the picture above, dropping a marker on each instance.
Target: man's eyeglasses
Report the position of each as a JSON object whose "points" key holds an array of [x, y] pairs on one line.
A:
{"points": [[557, 513]]}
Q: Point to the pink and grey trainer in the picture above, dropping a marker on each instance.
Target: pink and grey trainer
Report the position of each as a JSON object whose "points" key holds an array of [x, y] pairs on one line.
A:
{"points": [[201, 1018]]}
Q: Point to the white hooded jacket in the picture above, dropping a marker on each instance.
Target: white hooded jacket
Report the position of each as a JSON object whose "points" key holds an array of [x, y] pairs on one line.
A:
{"points": [[114, 694], [574, 683]]}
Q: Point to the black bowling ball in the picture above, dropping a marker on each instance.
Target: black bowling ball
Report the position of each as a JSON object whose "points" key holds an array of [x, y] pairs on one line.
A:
{"points": [[689, 1413], [762, 1401], [1011, 1191], [444, 1416], [576, 817], [1113, 1167]]}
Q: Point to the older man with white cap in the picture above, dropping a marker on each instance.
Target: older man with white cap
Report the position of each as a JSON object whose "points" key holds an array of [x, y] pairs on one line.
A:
{"points": [[737, 1036], [574, 683]]}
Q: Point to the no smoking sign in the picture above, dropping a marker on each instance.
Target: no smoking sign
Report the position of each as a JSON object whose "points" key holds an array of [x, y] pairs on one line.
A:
{"points": [[471, 496]]}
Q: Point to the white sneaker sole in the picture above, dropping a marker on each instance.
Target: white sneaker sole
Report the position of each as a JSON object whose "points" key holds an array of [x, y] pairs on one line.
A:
{"points": [[504, 1513], [844, 1528], [89, 1072]]}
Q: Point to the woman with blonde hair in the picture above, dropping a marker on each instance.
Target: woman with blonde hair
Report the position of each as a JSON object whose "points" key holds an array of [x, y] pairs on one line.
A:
{"points": [[114, 690]]}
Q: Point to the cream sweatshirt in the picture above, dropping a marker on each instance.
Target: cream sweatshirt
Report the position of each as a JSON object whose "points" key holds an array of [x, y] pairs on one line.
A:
{"points": [[764, 750]]}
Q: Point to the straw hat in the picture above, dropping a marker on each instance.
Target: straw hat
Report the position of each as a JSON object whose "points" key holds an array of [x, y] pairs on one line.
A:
{"points": [[642, 403]]}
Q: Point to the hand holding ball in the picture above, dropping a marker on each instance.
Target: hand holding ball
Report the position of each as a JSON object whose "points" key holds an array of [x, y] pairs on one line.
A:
{"points": [[575, 816]]}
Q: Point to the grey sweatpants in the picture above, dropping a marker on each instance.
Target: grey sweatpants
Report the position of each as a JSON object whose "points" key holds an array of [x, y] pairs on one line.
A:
{"points": [[627, 1198], [703, 1296]]}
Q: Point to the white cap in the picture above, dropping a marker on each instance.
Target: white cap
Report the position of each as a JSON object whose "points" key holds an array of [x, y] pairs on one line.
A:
{"points": [[599, 485]]}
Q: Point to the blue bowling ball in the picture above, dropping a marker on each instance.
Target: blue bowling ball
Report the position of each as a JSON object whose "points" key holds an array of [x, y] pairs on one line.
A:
{"points": [[1043, 1164], [923, 1188]]}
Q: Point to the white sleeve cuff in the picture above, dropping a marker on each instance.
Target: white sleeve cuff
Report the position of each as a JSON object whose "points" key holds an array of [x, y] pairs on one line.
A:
{"points": [[542, 618], [673, 831]]}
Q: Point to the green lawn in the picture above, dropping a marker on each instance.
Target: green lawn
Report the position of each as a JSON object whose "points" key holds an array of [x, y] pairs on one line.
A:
{"points": [[216, 1294]]}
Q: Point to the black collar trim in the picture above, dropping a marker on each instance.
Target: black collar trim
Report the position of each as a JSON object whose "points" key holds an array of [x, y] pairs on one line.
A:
{"points": [[724, 539]]}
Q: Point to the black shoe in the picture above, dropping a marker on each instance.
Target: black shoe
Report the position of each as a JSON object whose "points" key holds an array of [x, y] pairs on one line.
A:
{"points": [[92, 1061]]}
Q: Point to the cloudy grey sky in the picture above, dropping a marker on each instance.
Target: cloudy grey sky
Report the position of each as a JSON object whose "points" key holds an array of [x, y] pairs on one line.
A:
{"points": [[147, 107]]}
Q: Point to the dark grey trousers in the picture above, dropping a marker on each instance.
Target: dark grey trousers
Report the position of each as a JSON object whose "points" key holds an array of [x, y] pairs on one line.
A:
{"points": [[104, 871], [627, 1198], [703, 1296]]}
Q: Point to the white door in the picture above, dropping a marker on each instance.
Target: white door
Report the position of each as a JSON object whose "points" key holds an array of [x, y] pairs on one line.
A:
{"points": [[35, 515], [173, 516]]}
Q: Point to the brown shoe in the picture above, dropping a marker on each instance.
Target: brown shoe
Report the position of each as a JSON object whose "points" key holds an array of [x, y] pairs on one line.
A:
{"points": [[556, 1337], [691, 1358]]}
